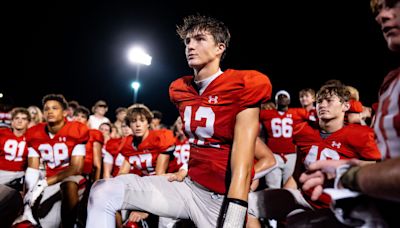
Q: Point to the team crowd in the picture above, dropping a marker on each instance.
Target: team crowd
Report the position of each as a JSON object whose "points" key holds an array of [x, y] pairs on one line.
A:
{"points": [[236, 156]]}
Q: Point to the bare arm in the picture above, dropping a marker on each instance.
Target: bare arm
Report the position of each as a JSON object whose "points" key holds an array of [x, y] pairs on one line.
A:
{"points": [[107, 169], [162, 164], [264, 156], [125, 168], [290, 183], [33, 162], [381, 180], [75, 168], [245, 133], [96, 161]]}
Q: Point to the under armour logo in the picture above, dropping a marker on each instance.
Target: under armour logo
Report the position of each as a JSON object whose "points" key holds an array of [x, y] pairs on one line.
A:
{"points": [[335, 144], [213, 100], [62, 139]]}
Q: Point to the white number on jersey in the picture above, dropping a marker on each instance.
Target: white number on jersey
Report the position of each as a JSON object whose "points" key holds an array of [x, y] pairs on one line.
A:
{"points": [[326, 154], [14, 150], [202, 132], [182, 153], [137, 160], [54, 156], [282, 127]]}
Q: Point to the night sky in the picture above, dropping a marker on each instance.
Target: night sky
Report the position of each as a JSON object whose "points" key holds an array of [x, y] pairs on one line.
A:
{"points": [[78, 48]]}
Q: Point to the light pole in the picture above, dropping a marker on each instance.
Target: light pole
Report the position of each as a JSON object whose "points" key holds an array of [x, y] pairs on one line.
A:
{"points": [[135, 86], [138, 56]]}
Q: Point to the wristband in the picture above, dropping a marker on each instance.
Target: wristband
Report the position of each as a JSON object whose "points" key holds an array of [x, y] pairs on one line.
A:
{"points": [[234, 213]]}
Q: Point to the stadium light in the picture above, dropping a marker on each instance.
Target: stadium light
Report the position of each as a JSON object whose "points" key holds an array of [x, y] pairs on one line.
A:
{"points": [[138, 56]]}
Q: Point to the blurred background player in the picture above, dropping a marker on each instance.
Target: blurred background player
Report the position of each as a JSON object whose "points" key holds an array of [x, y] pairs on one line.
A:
{"points": [[61, 145]]}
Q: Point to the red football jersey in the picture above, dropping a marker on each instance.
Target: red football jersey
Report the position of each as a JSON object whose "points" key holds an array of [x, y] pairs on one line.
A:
{"points": [[56, 152], [278, 126], [144, 157], [94, 136], [209, 120], [387, 121], [113, 148], [352, 141], [181, 155], [312, 116], [13, 151]]}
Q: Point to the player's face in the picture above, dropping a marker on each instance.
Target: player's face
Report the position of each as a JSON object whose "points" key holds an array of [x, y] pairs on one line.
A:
{"points": [[126, 130], [70, 111], [80, 117], [53, 112], [179, 126], [20, 122], [201, 49], [121, 116], [306, 99], [139, 126], [283, 100], [330, 108], [389, 19], [105, 129]]}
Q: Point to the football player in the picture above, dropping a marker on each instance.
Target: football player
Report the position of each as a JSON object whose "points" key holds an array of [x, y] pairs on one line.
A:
{"points": [[333, 140], [61, 146], [220, 111]]}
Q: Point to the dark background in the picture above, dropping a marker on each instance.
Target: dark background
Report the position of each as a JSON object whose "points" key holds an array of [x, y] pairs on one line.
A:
{"points": [[78, 48]]}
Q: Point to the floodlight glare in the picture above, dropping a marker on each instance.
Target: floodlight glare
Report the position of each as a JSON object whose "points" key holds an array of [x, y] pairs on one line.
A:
{"points": [[135, 85], [138, 55]]}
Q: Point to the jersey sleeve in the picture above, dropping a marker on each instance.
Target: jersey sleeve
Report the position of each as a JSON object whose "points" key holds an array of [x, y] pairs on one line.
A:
{"points": [[179, 89], [107, 157], [79, 132], [365, 143], [257, 89], [166, 141], [112, 146], [30, 135], [96, 136]]}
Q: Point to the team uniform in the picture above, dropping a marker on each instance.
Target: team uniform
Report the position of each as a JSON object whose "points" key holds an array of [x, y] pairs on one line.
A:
{"points": [[143, 158], [278, 127], [112, 155], [351, 141], [56, 152], [387, 122], [13, 158], [181, 156], [94, 136], [209, 120]]}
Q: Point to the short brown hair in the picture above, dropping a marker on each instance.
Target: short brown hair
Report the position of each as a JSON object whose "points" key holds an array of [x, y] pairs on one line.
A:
{"points": [[198, 22], [138, 110], [331, 89], [307, 90], [120, 109], [83, 110], [21, 110]]}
